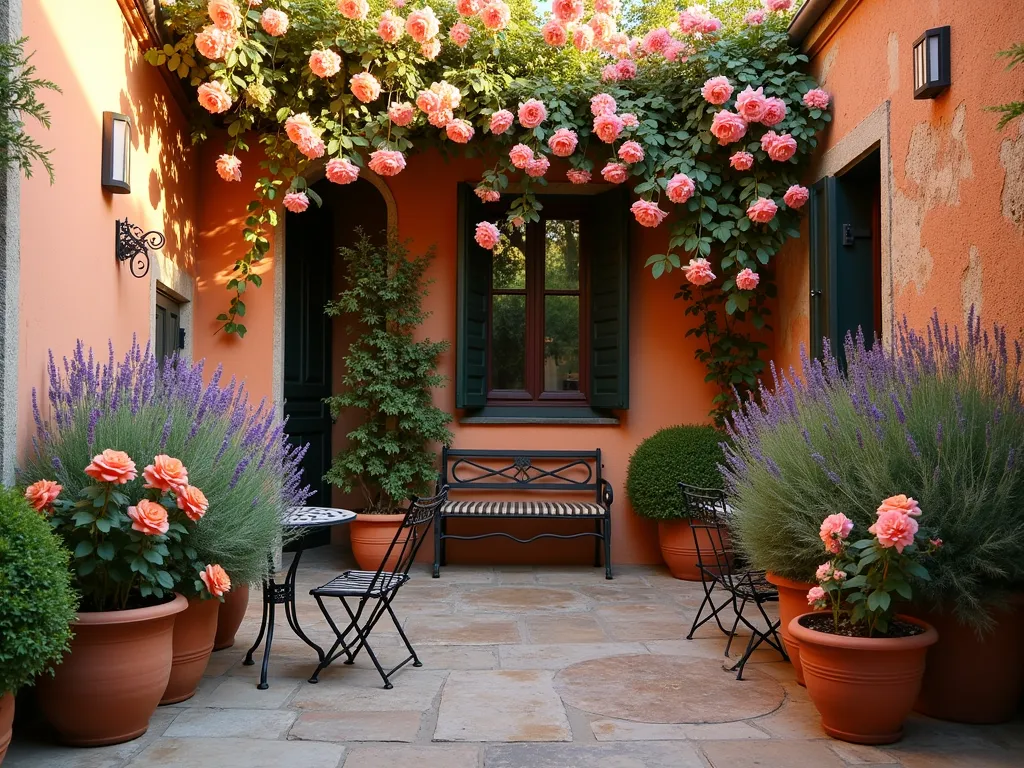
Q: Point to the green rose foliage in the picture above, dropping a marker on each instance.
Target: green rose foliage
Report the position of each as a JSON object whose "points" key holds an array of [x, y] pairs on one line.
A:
{"points": [[683, 454]]}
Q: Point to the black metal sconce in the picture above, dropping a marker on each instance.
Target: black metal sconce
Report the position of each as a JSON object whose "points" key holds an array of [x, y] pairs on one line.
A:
{"points": [[117, 153], [132, 245], [931, 63]]}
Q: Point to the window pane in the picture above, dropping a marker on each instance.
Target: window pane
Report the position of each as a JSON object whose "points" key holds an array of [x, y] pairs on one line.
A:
{"points": [[561, 254], [561, 343], [508, 341], [510, 262]]}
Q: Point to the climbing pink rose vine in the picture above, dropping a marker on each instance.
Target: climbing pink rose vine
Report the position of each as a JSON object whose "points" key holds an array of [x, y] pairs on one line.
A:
{"points": [[707, 124]]}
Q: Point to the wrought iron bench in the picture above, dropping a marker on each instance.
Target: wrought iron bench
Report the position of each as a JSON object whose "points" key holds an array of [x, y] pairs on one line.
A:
{"points": [[523, 484]]}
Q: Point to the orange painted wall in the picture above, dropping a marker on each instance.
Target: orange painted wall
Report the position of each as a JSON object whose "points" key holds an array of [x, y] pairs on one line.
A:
{"points": [[71, 285], [957, 183]]}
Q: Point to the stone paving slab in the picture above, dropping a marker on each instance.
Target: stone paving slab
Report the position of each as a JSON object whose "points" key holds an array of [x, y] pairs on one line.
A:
{"points": [[564, 629], [633, 755], [231, 723], [761, 754], [238, 753], [344, 689], [626, 730], [561, 655], [433, 756], [399, 725]]}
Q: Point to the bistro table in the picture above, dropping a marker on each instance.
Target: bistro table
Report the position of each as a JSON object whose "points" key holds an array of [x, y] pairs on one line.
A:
{"points": [[283, 593]]}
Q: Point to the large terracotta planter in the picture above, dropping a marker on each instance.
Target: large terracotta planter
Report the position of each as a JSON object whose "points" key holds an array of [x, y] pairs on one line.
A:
{"points": [[6, 721], [194, 630], [109, 685], [792, 603], [678, 548], [864, 688], [972, 678], [230, 615], [371, 536]]}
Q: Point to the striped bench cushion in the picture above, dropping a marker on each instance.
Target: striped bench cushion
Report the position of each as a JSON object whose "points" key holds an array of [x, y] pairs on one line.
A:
{"points": [[523, 508]]}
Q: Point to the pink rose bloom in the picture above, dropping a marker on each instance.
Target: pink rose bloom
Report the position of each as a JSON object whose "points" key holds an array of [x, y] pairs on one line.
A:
{"points": [[214, 97], [728, 127], [224, 14], [647, 214], [567, 11], [324, 63], [626, 69], [495, 15], [520, 155], [716, 90], [680, 188], [769, 138], [937, 543], [431, 49], [615, 173], [440, 118], [583, 38], [905, 504], [460, 34], [603, 26], [428, 101], [708, 24], [296, 202], [675, 50], [364, 87], [747, 279], [762, 210], [578, 176], [796, 196], [839, 575], [817, 99], [698, 272], [778, 6], [608, 127], [742, 161], [563, 142], [783, 148], [216, 580], [835, 529], [149, 518], [356, 10], [422, 24], [602, 104], [755, 17], [486, 194], [215, 43], [342, 171], [538, 166], [501, 121], [655, 41], [387, 162], [611, 7], [824, 572], [532, 113], [229, 168], [631, 152], [459, 131], [774, 111], [390, 27], [300, 131], [274, 22], [629, 120], [487, 235], [894, 528], [688, 22], [609, 73], [815, 595], [468, 7], [112, 467], [555, 33], [192, 502], [750, 104], [401, 113], [42, 493], [618, 46], [166, 473]]}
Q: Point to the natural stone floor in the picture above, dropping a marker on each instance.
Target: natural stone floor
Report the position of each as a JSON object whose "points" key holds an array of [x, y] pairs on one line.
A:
{"points": [[523, 667]]}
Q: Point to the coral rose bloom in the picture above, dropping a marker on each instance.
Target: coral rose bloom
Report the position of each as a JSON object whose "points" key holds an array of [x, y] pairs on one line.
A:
{"points": [[468, 7], [501, 121], [214, 97], [728, 127], [342, 171], [698, 272], [824, 572], [387, 162], [647, 214], [611, 7], [835, 529], [747, 279], [224, 14], [299, 128], [459, 131], [783, 148], [440, 118], [520, 156], [578, 176], [583, 38], [460, 34], [629, 120], [324, 63], [742, 161], [762, 210], [603, 104], [296, 202], [165, 474], [149, 518], [356, 10], [778, 6], [112, 467], [603, 25], [567, 11], [563, 142], [796, 196], [192, 502], [905, 504], [680, 188], [532, 113], [615, 173], [364, 87], [774, 111], [42, 493], [229, 168], [486, 194], [631, 152], [487, 235], [274, 23], [537, 167], [608, 127], [215, 580], [555, 33], [422, 24], [894, 528], [390, 27], [214, 43], [817, 99], [428, 101], [717, 90], [755, 17], [431, 48], [750, 104], [495, 15], [401, 113], [626, 69]]}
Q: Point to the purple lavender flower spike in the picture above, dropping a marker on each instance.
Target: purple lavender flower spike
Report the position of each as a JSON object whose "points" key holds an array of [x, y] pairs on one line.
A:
{"points": [[913, 445], [238, 471], [166, 433]]}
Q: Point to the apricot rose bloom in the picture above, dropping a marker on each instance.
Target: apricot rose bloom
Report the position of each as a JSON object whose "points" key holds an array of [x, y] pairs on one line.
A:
{"points": [[583, 38], [149, 518], [296, 202], [192, 502], [431, 48], [422, 24], [468, 7], [563, 142], [567, 11], [215, 43], [778, 6], [486, 194], [501, 121], [532, 113], [274, 22], [796, 196], [390, 27], [538, 166], [603, 25], [578, 176], [341, 171], [520, 156], [894, 528], [901, 503], [762, 210], [496, 15], [216, 580], [783, 148], [387, 162], [603, 104], [747, 279], [698, 272], [229, 168], [817, 99], [755, 17], [631, 152], [774, 112], [401, 113], [324, 63], [112, 467], [460, 34], [728, 127], [555, 34], [680, 188], [647, 214], [742, 161], [716, 90], [224, 14], [459, 131], [166, 473], [364, 87], [356, 10], [608, 127], [42, 493], [440, 118], [214, 97], [487, 235], [615, 173], [835, 529]]}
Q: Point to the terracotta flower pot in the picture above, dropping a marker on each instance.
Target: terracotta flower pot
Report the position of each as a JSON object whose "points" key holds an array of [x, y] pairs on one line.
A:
{"points": [[678, 549], [972, 678], [194, 630], [230, 615], [371, 536], [792, 603], [109, 685], [863, 687], [6, 720]]}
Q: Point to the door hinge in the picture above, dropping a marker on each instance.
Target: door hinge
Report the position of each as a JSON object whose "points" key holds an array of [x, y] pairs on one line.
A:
{"points": [[181, 338], [851, 234]]}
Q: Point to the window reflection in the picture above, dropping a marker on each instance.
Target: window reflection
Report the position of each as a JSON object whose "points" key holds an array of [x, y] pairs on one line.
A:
{"points": [[508, 341], [561, 254], [561, 343]]}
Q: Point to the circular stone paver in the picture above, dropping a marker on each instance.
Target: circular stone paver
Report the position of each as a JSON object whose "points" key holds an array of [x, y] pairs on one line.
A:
{"points": [[667, 689], [523, 599]]}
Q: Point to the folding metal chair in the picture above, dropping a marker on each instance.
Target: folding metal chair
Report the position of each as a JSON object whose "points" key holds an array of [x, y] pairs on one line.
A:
{"points": [[367, 595], [707, 510]]}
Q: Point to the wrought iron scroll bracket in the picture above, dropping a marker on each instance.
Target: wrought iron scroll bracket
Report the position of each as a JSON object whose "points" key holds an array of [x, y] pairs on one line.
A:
{"points": [[132, 244]]}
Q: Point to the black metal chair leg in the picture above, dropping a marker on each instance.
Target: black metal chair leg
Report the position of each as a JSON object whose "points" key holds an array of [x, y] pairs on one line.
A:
{"points": [[398, 625], [437, 547], [736, 623], [263, 685], [248, 662], [597, 543], [608, 547]]}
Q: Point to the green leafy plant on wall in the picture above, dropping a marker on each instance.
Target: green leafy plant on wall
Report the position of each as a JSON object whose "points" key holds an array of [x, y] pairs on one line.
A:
{"points": [[19, 97], [389, 377], [1012, 109]]}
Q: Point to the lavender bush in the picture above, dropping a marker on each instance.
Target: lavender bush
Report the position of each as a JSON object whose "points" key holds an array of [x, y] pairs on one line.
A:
{"points": [[236, 452], [939, 417]]}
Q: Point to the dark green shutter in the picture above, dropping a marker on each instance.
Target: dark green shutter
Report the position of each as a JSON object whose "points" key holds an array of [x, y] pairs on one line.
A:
{"points": [[474, 276], [822, 273], [609, 300]]}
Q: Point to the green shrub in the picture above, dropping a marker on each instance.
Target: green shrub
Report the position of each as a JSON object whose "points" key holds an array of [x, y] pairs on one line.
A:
{"points": [[37, 604], [684, 454]]}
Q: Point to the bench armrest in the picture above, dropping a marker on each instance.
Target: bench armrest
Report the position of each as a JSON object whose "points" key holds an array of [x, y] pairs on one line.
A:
{"points": [[605, 494]]}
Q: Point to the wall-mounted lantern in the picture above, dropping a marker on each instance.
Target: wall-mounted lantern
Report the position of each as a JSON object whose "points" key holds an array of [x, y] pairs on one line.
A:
{"points": [[117, 153], [931, 63], [133, 245]]}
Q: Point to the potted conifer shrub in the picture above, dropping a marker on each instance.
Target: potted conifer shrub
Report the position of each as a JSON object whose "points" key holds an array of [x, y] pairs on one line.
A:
{"points": [[688, 454], [389, 378]]}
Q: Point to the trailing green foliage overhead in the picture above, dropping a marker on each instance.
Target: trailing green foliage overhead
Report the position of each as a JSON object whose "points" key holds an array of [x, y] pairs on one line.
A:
{"points": [[18, 97], [688, 454]]}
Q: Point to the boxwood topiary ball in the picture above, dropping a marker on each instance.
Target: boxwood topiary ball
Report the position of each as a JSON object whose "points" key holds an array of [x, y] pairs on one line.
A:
{"points": [[684, 454]]}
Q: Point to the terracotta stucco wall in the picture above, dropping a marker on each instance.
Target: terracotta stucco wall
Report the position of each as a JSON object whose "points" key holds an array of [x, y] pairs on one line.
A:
{"points": [[71, 286], [956, 184]]}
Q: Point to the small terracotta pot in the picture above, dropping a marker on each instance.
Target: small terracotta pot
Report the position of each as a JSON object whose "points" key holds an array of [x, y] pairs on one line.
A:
{"points": [[678, 549], [6, 721], [371, 536], [194, 630], [230, 616], [109, 685], [863, 687], [792, 603]]}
